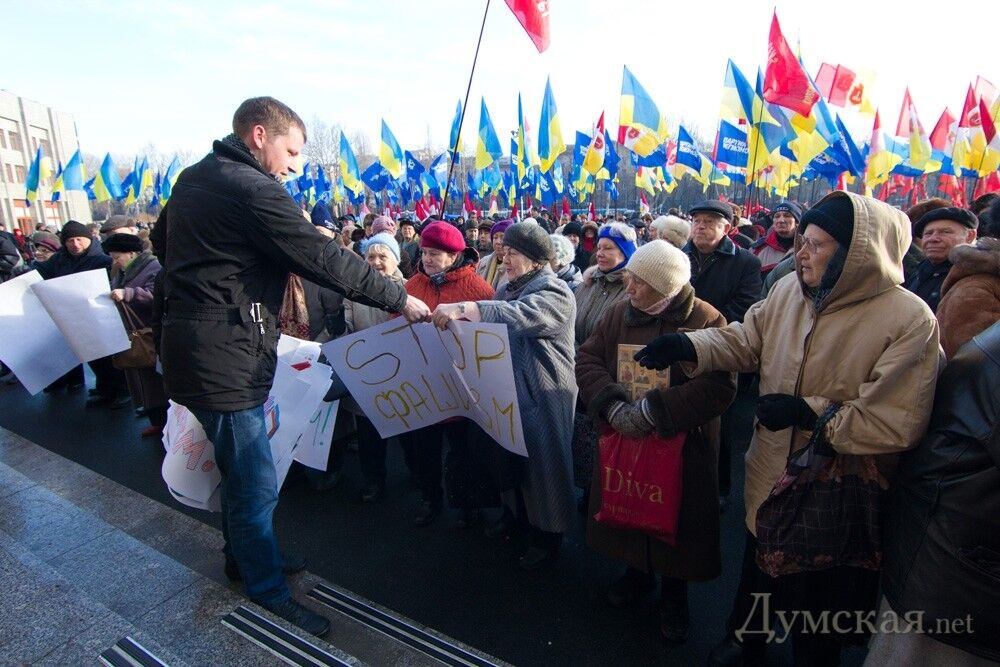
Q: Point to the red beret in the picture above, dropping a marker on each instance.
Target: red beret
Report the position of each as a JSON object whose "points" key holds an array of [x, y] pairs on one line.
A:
{"points": [[442, 236]]}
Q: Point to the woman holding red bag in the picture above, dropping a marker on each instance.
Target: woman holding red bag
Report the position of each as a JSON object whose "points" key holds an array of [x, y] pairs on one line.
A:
{"points": [[660, 300]]}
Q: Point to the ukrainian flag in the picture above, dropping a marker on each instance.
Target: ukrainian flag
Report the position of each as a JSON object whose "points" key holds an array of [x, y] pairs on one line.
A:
{"points": [[455, 141], [350, 174], [39, 170], [167, 187], [73, 176], [390, 155], [641, 128], [550, 139], [107, 183], [488, 148]]}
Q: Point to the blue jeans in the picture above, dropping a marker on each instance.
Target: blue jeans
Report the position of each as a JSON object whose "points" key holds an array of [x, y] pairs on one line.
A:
{"points": [[249, 495]]}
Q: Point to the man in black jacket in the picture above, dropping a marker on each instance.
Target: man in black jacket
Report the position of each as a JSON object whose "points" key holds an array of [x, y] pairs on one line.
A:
{"points": [[728, 277], [228, 239]]}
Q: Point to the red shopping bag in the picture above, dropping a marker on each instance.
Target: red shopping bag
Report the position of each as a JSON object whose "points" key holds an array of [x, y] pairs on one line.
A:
{"points": [[641, 483]]}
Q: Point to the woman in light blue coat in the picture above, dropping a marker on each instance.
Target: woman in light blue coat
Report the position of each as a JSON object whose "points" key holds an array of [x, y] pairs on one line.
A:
{"points": [[539, 311]]}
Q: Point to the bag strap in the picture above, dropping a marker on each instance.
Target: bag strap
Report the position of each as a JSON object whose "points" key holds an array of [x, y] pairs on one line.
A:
{"points": [[132, 320], [818, 441]]}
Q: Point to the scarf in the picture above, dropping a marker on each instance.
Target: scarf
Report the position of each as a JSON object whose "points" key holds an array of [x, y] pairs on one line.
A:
{"points": [[516, 285], [833, 270], [293, 318]]}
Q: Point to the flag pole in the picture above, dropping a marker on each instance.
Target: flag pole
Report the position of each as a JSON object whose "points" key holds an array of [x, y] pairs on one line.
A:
{"points": [[461, 120]]}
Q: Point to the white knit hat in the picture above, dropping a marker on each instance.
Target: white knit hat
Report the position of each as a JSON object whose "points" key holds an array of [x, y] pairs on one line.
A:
{"points": [[666, 268]]}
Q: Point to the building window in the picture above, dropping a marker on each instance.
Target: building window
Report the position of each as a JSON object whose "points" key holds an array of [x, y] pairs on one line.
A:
{"points": [[3, 139], [10, 172], [46, 147], [15, 141], [19, 173]]}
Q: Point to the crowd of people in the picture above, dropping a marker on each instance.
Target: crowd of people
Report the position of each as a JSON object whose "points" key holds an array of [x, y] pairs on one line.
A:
{"points": [[866, 336]]}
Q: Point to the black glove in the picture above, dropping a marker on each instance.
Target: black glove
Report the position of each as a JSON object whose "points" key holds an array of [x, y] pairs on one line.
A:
{"points": [[780, 411], [665, 350]]}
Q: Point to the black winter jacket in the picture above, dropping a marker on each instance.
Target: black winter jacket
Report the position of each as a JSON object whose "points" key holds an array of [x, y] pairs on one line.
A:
{"points": [[10, 257], [62, 263], [729, 278], [227, 240], [942, 533]]}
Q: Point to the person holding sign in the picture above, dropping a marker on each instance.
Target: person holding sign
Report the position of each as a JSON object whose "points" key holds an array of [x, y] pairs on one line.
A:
{"points": [[227, 240], [538, 309], [446, 273], [660, 300]]}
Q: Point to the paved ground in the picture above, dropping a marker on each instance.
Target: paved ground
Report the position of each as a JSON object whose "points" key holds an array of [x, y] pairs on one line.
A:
{"points": [[459, 582]]}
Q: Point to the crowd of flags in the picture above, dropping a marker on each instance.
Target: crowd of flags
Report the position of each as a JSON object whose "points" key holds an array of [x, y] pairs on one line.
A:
{"points": [[774, 133]]}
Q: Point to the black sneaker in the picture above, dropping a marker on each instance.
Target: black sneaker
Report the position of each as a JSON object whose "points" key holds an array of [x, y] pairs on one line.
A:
{"points": [[120, 402], [675, 622], [372, 493], [299, 616], [469, 519]]}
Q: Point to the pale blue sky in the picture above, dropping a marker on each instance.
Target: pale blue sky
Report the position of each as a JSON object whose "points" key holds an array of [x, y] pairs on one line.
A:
{"points": [[171, 72]]}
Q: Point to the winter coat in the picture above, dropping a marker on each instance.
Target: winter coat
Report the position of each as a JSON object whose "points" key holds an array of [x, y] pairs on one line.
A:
{"points": [[928, 280], [769, 251], [871, 345], [689, 404], [539, 319], [62, 263], [137, 281], [595, 296], [942, 532], [358, 316], [460, 283], [227, 240], [780, 270], [490, 264], [970, 294], [571, 275], [581, 259], [10, 256], [729, 279], [326, 312]]}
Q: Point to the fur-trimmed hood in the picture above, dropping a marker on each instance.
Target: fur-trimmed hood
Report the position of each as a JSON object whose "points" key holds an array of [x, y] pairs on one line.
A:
{"points": [[969, 260]]}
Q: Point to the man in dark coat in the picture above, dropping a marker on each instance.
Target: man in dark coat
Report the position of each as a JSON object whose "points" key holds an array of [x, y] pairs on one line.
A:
{"points": [[940, 230], [942, 532], [228, 239], [729, 278], [10, 256], [79, 253]]}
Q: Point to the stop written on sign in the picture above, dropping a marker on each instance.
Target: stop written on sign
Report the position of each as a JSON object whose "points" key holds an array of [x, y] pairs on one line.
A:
{"points": [[421, 374]]}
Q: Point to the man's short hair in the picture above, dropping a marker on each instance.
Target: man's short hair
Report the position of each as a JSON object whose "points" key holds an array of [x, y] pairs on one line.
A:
{"points": [[275, 116]]}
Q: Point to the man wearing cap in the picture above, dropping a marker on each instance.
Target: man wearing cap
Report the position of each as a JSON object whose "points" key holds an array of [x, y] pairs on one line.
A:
{"points": [[228, 239], [120, 224], [728, 277], [780, 240], [485, 245], [410, 245], [940, 230]]}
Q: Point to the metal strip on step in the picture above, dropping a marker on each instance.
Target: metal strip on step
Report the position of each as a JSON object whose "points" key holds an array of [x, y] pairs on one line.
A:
{"points": [[127, 652], [399, 629], [270, 636]]}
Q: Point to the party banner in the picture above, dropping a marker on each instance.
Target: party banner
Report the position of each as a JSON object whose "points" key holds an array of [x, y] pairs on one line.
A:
{"points": [[81, 306], [407, 376]]}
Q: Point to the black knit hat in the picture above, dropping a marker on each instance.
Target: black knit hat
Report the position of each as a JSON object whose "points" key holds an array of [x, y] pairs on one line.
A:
{"points": [[530, 240], [122, 243], [835, 216], [789, 207], [572, 228], [962, 216], [74, 229]]}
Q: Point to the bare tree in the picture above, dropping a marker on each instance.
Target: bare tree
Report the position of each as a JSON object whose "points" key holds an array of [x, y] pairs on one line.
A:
{"points": [[362, 149], [323, 146]]}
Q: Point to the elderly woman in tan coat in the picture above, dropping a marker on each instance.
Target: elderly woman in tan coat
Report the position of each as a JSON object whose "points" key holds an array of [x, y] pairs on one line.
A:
{"points": [[660, 300], [839, 339]]}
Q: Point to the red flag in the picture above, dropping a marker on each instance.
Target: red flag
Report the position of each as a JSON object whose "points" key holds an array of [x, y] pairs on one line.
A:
{"points": [[835, 83], [943, 136], [970, 110], [987, 184], [534, 18], [989, 129], [592, 212], [513, 211], [785, 82], [565, 207]]}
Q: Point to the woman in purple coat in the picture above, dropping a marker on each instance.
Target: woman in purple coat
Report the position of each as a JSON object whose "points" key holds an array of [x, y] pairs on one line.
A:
{"points": [[133, 273]]}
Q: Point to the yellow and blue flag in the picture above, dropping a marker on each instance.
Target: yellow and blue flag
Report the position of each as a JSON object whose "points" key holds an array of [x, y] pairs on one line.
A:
{"points": [[488, 149], [688, 155], [455, 138], [169, 178], [39, 170], [107, 182], [390, 155], [641, 127], [72, 176], [350, 174], [550, 139]]}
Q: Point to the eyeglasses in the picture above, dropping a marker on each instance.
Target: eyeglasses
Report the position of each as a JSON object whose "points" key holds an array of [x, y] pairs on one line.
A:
{"points": [[811, 245]]}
